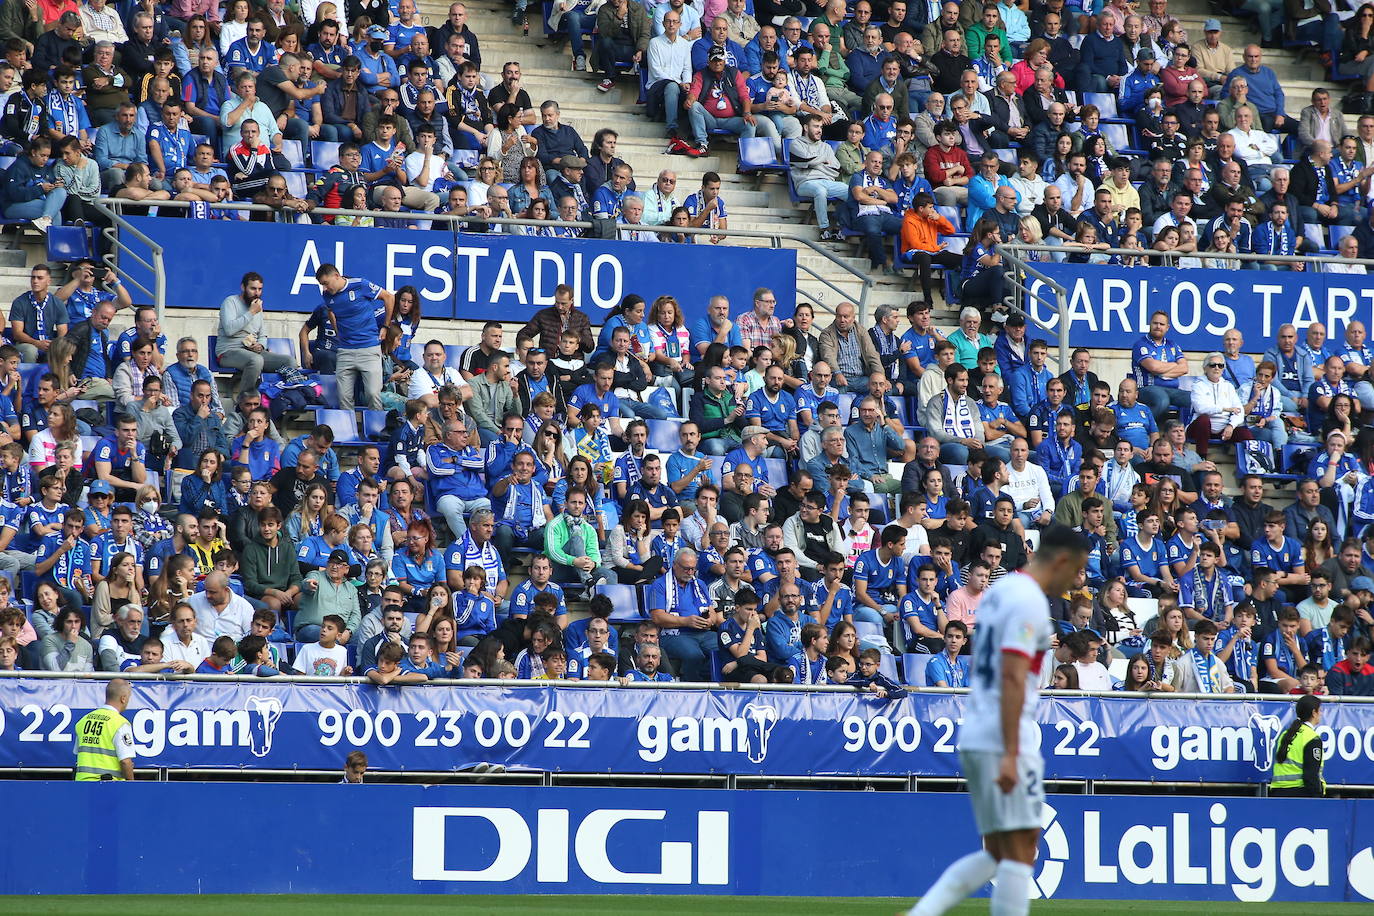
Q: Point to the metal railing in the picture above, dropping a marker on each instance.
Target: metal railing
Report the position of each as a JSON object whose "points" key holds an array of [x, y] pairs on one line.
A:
{"points": [[1024, 294], [113, 208], [157, 296]]}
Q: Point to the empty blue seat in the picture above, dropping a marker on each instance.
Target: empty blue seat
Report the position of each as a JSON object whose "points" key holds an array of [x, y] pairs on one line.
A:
{"points": [[374, 425], [324, 155], [294, 153], [663, 435], [344, 423], [914, 669], [624, 602]]}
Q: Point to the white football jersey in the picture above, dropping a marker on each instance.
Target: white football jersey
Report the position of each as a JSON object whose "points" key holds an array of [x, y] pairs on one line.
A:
{"points": [[1014, 616]]}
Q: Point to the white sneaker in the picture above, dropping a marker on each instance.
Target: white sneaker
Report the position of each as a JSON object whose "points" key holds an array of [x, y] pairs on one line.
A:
{"points": [[580, 64], [42, 223]]}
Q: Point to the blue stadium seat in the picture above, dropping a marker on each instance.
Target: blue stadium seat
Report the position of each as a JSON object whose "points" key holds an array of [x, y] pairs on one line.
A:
{"points": [[777, 472], [285, 346], [213, 363], [455, 355], [914, 669], [329, 389], [374, 425], [756, 155], [294, 152], [296, 184], [324, 155], [68, 243], [344, 423], [1105, 102], [663, 435], [625, 602]]}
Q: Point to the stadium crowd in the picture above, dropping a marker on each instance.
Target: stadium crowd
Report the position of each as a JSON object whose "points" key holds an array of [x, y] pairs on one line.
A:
{"points": [[762, 499], [932, 131]]}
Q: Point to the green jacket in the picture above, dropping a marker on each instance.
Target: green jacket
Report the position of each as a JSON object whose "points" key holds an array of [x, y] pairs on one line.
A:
{"points": [[269, 567], [15, 22], [832, 69], [556, 539]]}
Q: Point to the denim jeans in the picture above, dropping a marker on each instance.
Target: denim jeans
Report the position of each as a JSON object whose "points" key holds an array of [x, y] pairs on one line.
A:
{"points": [[641, 409], [672, 102], [49, 206], [573, 24], [703, 121], [1159, 399], [692, 650], [821, 191], [877, 229]]}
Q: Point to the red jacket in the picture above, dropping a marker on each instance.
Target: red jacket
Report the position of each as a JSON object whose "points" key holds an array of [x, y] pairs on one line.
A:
{"points": [[937, 161]]}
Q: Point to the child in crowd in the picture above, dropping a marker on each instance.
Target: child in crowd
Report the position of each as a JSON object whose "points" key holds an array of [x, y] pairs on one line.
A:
{"points": [[1310, 682], [949, 668], [1355, 676], [325, 658], [388, 669], [222, 653], [254, 657]]}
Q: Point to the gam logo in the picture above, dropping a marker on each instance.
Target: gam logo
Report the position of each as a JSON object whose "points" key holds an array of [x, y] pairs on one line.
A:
{"points": [[747, 734]]}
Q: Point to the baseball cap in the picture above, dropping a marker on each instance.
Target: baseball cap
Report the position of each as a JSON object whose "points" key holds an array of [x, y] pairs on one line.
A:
{"points": [[1362, 584], [1212, 25], [715, 54], [377, 31], [101, 486], [339, 556]]}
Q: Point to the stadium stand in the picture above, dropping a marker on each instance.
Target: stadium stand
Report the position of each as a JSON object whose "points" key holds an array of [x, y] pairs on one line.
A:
{"points": [[159, 478]]}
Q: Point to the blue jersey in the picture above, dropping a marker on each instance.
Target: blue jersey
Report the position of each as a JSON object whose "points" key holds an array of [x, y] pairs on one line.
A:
{"points": [[809, 400], [740, 456], [108, 450], [1135, 424], [104, 549], [464, 552], [927, 613], [1147, 348], [842, 605], [1274, 647], [1323, 649], [315, 550], [772, 415], [954, 673], [475, 615], [922, 346], [882, 578], [1284, 558], [522, 598], [420, 574], [667, 594], [805, 671], [76, 560], [359, 312], [661, 677], [1178, 551], [732, 634], [998, 411], [1147, 559], [586, 394], [241, 56]]}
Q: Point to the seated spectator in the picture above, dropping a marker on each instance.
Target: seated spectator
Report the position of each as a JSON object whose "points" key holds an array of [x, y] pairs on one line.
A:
{"points": [[623, 33], [718, 99]]}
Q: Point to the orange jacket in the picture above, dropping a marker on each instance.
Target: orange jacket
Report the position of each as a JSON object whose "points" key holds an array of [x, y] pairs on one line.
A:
{"points": [[924, 234]]}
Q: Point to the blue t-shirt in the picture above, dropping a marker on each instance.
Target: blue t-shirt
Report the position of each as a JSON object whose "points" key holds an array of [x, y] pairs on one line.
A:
{"points": [[522, 599], [732, 634], [1284, 558], [421, 573], [108, 450], [954, 674], [771, 415], [1147, 560], [78, 559], [882, 578], [586, 394], [359, 310], [1274, 647], [925, 612], [1164, 351], [1135, 424], [241, 56], [667, 594], [808, 399], [104, 549]]}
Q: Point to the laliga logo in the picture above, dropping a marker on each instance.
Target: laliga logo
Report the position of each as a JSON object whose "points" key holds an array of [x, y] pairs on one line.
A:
{"points": [[263, 713], [1264, 734], [1055, 853]]}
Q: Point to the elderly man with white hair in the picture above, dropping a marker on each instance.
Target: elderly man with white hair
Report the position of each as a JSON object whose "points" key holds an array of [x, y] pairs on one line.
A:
{"points": [[1349, 247], [632, 228]]}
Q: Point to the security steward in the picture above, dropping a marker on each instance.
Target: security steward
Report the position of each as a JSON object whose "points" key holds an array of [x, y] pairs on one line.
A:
{"points": [[104, 740], [1298, 758]]}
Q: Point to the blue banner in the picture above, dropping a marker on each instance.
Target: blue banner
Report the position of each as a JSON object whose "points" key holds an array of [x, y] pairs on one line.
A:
{"points": [[475, 277], [281, 725], [1109, 307], [523, 840]]}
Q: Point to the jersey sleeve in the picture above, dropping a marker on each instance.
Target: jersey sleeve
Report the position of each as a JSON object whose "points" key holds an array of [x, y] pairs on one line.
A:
{"points": [[1020, 634]]}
